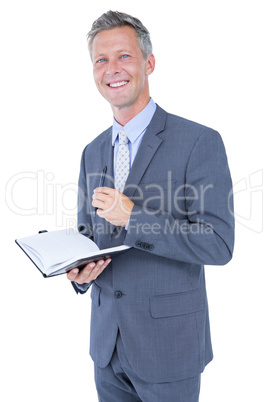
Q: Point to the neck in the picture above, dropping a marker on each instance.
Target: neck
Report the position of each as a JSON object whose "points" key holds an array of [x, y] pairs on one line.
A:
{"points": [[126, 113]]}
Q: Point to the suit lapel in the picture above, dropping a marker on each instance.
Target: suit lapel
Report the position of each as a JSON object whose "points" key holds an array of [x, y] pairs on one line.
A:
{"points": [[149, 145], [106, 158]]}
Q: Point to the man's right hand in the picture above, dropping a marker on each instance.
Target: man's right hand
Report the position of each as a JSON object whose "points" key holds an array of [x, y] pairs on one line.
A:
{"points": [[89, 273]]}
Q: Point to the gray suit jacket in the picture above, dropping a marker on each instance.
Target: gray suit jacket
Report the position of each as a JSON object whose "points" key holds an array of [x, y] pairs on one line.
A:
{"points": [[155, 293]]}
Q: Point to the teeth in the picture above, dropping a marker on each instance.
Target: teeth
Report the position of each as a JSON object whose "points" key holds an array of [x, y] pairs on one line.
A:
{"points": [[118, 84]]}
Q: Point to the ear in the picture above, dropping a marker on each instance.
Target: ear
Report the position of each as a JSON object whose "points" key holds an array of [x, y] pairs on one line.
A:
{"points": [[150, 64]]}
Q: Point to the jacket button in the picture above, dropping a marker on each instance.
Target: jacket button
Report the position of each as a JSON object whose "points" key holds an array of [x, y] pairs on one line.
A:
{"points": [[118, 294]]}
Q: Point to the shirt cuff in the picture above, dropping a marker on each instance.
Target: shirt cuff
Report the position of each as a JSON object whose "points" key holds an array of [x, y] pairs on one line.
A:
{"points": [[84, 287], [126, 227]]}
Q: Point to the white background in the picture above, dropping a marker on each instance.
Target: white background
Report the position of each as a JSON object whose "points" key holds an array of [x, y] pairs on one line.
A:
{"points": [[211, 68]]}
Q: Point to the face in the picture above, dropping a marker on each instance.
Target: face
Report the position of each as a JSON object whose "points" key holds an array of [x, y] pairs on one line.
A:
{"points": [[120, 70]]}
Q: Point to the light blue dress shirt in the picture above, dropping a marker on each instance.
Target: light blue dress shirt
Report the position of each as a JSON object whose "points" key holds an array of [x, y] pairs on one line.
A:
{"points": [[135, 130]]}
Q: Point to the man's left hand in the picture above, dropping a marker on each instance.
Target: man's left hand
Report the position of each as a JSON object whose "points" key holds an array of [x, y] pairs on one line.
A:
{"points": [[112, 205]]}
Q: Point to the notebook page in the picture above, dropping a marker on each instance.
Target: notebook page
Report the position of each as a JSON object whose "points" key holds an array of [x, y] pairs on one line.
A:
{"points": [[58, 246]]}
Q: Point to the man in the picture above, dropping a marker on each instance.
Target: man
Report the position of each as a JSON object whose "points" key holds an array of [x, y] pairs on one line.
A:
{"points": [[167, 195]]}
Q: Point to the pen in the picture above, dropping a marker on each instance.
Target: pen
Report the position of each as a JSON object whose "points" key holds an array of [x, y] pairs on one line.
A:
{"points": [[101, 182]]}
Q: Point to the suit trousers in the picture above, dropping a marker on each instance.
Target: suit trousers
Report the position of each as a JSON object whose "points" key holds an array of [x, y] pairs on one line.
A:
{"points": [[117, 382]]}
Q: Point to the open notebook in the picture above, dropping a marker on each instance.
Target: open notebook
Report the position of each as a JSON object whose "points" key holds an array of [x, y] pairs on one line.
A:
{"points": [[57, 252]]}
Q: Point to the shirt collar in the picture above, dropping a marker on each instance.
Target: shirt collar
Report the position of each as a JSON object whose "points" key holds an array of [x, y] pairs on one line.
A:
{"points": [[137, 125]]}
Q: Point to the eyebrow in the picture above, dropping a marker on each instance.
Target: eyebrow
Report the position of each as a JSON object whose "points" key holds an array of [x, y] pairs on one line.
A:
{"points": [[99, 55], [117, 51]]}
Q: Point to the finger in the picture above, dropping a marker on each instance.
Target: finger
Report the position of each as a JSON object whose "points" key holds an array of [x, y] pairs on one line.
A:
{"points": [[104, 190], [92, 271], [98, 204], [99, 196], [101, 213], [84, 274], [99, 268], [106, 263], [71, 275], [103, 263]]}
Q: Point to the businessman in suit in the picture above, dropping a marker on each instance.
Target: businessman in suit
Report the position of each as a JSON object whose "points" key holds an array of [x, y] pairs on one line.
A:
{"points": [[168, 195]]}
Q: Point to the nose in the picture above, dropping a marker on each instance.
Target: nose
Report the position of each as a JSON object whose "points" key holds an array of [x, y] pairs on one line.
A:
{"points": [[113, 67]]}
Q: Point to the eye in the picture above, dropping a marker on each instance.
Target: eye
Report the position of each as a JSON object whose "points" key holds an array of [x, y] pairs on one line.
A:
{"points": [[125, 56], [101, 61]]}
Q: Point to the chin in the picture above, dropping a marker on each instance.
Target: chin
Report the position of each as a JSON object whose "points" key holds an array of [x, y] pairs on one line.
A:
{"points": [[120, 103]]}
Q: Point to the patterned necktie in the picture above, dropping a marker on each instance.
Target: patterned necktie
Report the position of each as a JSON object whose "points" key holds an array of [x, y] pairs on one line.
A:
{"points": [[122, 162]]}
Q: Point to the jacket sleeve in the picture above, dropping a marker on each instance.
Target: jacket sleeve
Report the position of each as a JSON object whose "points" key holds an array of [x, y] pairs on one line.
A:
{"points": [[205, 234]]}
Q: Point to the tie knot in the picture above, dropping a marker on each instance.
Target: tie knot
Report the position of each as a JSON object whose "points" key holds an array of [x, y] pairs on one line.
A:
{"points": [[122, 137]]}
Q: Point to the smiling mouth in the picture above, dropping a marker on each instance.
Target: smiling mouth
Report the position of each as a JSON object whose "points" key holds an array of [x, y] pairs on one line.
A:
{"points": [[118, 84]]}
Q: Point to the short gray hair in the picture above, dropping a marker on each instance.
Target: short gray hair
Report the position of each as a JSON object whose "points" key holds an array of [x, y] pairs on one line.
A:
{"points": [[115, 19]]}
